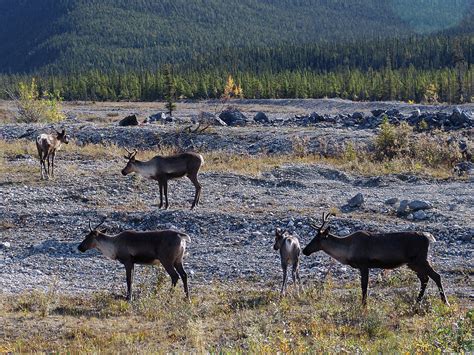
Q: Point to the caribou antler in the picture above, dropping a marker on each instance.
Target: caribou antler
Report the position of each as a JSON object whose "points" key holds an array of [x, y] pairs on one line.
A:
{"points": [[97, 226], [313, 224], [130, 154], [326, 217]]}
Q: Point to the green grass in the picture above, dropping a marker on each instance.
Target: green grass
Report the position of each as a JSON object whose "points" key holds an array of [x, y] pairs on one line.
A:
{"points": [[235, 316]]}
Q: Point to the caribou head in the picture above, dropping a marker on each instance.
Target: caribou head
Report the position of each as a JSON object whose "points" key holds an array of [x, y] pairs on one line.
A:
{"points": [[90, 241], [321, 233], [131, 161]]}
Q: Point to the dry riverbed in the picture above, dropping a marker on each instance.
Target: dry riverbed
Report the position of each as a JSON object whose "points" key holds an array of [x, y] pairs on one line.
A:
{"points": [[42, 222]]}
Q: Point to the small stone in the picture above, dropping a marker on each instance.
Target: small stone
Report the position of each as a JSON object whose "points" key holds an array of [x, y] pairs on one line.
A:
{"points": [[391, 201], [420, 215], [5, 245]]}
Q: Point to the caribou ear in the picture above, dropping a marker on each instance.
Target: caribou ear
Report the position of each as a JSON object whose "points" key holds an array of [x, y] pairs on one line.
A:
{"points": [[103, 230]]}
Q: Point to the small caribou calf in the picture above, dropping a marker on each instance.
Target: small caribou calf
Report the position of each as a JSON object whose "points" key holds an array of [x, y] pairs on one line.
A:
{"points": [[290, 250], [163, 169], [130, 247], [366, 250], [48, 145]]}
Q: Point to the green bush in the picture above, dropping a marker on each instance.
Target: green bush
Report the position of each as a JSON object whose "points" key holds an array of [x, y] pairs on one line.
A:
{"points": [[392, 141], [33, 107]]}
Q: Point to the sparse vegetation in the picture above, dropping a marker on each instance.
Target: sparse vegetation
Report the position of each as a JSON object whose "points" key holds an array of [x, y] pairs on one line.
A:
{"points": [[400, 144], [34, 106], [396, 151], [230, 317]]}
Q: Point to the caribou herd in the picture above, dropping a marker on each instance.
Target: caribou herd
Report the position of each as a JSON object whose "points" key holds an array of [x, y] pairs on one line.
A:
{"points": [[361, 250]]}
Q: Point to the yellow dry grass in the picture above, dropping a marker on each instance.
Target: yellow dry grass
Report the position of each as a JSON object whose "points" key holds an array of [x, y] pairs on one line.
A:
{"points": [[234, 317], [253, 165]]}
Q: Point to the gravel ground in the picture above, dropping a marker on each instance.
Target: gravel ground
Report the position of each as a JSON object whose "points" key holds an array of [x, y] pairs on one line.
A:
{"points": [[232, 231]]}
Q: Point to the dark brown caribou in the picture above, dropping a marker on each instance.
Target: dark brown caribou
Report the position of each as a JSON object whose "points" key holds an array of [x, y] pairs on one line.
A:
{"points": [[365, 250], [133, 247]]}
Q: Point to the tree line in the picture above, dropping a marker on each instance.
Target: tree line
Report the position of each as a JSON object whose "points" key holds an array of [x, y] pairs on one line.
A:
{"points": [[407, 84]]}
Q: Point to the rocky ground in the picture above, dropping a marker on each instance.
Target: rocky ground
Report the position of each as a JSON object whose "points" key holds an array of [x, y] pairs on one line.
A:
{"points": [[42, 222]]}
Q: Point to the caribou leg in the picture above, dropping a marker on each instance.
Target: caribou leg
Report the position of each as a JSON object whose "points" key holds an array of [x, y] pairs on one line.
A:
{"points": [[161, 194], [198, 186], [285, 278], [437, 279], [184, 277], [53, 157], [165, 187], [129, 271], [364, 279]]}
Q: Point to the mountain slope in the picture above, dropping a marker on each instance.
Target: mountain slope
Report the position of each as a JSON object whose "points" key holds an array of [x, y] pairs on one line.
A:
{"points": [[77, 35]]}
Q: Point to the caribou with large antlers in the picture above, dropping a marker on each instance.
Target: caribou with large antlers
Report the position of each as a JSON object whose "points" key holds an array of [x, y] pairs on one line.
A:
{"points": [[163, 169], [131, 247], [365, 250], [48, 145]]}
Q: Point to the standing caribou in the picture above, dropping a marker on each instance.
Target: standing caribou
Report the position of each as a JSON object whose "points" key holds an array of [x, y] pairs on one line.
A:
{"points": [[290, 250], [365, 250], [163, 169], [48, 145], [130, 247]]}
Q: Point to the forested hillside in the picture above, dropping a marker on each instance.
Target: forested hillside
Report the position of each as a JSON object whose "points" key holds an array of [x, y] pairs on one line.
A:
{"points": [[78, 35], [358, 49]]}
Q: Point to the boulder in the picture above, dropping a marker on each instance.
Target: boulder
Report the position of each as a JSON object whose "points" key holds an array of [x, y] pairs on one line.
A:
{"points": [[129, 121], [358, 116], [316, 117], [377, 112], [261, 117], [208, 118], [415, 113], [464, 168], [402, 208], [160, 116], [417, 205], [393, 112], [356, 201], [233, 117]]}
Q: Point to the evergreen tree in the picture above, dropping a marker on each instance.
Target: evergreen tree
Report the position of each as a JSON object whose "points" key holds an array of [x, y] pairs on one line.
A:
{"points": [[461, 67], [170, 86]]}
